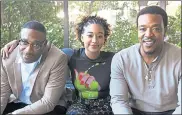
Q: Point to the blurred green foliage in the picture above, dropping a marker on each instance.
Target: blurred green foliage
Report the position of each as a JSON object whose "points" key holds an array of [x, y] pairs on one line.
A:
{"points": [[18, 12], [124, 33]]}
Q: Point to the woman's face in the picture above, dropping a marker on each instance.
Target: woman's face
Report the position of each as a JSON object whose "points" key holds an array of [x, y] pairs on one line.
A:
{"points": [[93, 38]]}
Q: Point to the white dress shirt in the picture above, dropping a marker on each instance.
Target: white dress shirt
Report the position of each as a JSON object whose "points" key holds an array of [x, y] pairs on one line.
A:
{"points": [[26, 71]]}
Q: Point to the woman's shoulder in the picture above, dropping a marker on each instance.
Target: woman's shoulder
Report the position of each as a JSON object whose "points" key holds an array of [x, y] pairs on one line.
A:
{"points": [[72, 52], [68, 51]]}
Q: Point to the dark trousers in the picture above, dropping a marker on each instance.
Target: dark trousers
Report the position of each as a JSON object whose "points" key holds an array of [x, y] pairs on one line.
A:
{"points": [[138, 112], [58, 110]]}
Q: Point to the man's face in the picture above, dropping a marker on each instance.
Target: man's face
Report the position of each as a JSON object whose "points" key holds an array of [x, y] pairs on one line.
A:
{"points": [[31, 45], [151, 33]]}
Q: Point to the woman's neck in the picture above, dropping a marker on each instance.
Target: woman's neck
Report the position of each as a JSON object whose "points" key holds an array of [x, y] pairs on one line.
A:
{"points": [[92, 55]]}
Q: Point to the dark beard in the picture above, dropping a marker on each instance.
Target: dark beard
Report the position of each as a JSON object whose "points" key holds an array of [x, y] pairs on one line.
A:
{"points": [[149, 53]]}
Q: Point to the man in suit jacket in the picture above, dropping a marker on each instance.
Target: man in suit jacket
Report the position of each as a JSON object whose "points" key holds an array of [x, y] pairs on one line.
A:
{"points": [[32, 78]]}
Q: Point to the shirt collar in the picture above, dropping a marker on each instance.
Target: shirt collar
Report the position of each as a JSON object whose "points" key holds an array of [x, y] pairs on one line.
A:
{"points": [[98, 59]]}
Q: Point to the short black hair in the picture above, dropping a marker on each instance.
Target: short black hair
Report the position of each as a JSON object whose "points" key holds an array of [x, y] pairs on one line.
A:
{"points": [[35, 25], [154, 10]]}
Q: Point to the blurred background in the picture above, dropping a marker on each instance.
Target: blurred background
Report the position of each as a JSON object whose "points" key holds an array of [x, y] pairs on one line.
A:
{"points": [[60, 17]]}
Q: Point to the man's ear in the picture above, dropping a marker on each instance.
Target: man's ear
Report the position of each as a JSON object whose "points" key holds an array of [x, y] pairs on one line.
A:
{"points": [[165, 31], [105, 41], [45, 43]]}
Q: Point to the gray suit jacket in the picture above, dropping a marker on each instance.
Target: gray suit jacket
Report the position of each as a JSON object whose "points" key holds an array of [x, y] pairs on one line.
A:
{"points": [[48, 85]]}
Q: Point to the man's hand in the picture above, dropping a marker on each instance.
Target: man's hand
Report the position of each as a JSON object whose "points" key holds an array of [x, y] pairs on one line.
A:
{"points": [[8, 48]]}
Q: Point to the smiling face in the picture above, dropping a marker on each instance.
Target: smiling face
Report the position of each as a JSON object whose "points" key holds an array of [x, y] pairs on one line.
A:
{"points": [[151, 33], [93, 38], [31, 45]]}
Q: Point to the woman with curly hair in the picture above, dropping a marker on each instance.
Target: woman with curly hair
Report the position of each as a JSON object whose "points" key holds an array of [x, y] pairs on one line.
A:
{"points": [[90, 67]]}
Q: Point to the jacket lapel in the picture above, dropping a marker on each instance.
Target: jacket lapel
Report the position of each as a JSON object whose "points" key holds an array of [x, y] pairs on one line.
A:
{"points": [[18, 79], [38, 67], [17, 72]]}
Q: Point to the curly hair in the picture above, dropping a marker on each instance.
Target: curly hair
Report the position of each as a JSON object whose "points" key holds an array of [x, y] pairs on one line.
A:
{"points": [[87, 20]]}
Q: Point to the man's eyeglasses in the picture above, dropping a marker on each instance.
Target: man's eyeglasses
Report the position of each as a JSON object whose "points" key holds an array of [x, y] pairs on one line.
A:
{"points": [[36, 45]]}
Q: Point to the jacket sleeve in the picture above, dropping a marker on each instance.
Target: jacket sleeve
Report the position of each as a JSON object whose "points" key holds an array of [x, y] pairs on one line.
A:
{"points": [[118, 88], [5, 88], [53, 90]]}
